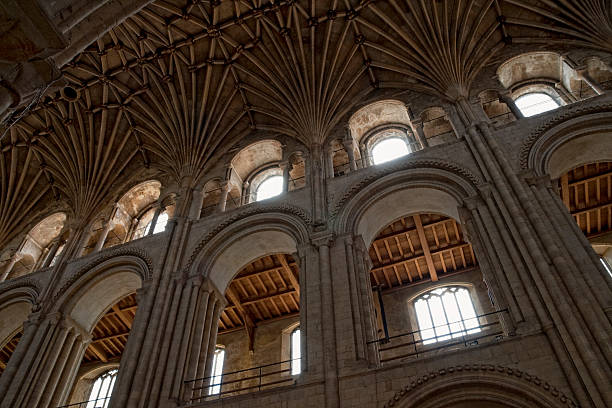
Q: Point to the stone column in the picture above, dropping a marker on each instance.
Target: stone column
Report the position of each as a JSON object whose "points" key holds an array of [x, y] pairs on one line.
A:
{"points": [[106, 228], [285, 168], [329, 160], [559, 309], [417, 127], [197, 198], [583, 74], [225, 188], [365, 157], [16, 257], [505, 98], [48, 357], [349, 146], [245, 193], [158, 210], [55, 245], [328, 315]]}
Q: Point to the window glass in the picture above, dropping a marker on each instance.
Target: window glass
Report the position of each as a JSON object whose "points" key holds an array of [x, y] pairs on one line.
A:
{"points": [[535, 103], [160, 225], [389, 149], [445, 313], [296, 352], [270, 187], [217, 372], [606, 265], [102, 389]]}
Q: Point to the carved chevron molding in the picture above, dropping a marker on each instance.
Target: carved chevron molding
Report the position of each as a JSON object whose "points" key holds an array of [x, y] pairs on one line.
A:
{"points": [[247, 212], [570, 112], [103, 257], [485, 368], [412, 164]]}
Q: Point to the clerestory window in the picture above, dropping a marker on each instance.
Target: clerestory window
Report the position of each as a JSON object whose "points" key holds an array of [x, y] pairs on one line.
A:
{"points": [[389, 149], [445, 313], [270, 187], [534, 103], [160, 225], [606, 265], [102, 389]]}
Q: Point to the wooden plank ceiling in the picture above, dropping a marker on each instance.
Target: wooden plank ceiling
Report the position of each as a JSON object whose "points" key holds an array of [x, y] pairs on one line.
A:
{"points": [[419, 248], [111, 333], [267, 289], [587, 193], [8, 349]]}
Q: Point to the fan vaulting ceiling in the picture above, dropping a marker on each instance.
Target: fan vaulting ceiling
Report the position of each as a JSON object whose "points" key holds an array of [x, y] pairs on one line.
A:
{"points": [[178, 83]]}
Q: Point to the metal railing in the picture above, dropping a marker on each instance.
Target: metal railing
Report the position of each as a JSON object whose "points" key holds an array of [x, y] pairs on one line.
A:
{"points": [[95, 403], [238, 382], [412, 344]]}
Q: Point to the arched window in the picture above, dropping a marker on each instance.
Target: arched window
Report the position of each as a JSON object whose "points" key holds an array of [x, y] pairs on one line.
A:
{"points": [[445, 313], [217, 371], [296, 352], [389, 149], [270, 187], [160, 226], [102, 389], [534, 103]]}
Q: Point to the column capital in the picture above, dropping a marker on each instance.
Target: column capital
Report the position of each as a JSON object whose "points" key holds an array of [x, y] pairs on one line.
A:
{"points": [[323, 239]]}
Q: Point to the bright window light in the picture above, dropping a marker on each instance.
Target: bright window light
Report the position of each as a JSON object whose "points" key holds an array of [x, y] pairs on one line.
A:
{"points": [[102, 389], [160, 226], [606, 265], [217, 372], [446, 313], [389, 149], [270, 187], [535, 103], [296, 352]]}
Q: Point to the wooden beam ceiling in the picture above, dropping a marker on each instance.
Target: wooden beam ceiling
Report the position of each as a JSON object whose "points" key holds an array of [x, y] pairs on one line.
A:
{"points": [[587, 193], [265, 290], [418, 248]]}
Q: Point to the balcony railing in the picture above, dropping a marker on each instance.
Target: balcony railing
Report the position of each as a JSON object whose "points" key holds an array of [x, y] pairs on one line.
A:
{"points": [[95, 403], [238, 382], [412, 344]]}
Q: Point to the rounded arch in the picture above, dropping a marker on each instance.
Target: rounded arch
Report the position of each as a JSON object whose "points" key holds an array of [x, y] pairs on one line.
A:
{"points": [[255, 156], [221, 255], [568, 144], [377, 115], [420, 189], [479, 386], [16, 304], [140, 196], [97, 288]]}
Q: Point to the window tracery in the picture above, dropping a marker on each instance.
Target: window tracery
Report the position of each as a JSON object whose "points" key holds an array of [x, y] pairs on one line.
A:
{"points": [[99, 396], [445, 313]]}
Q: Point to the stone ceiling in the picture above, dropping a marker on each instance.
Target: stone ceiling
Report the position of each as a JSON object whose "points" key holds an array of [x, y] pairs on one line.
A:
{"points": [[177, 84]]}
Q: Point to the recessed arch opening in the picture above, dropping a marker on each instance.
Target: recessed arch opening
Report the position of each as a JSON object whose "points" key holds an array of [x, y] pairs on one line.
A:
{"points": [[104, 306]]}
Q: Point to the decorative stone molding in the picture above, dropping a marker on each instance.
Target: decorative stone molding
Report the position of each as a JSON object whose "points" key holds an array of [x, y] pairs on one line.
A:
{"points": [[565, 114], [495, 371], [411, 164], [107, 255], [256, 209]]}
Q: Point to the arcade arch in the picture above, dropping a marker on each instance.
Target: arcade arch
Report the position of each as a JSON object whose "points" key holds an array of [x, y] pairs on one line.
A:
{"points": [[15, 308], [260, 283]]}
